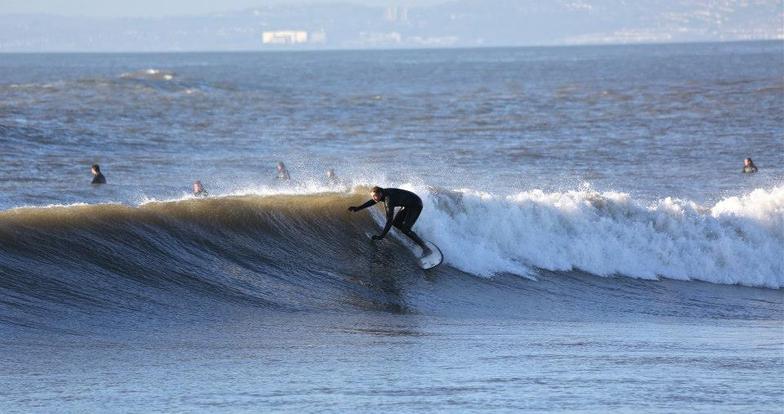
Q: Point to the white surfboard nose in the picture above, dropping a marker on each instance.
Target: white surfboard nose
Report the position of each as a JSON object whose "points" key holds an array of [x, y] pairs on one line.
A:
{"points": [[433, 259]]}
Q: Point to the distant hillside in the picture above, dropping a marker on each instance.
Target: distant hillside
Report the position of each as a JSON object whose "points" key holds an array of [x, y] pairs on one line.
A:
{"points": [[452, 24]]}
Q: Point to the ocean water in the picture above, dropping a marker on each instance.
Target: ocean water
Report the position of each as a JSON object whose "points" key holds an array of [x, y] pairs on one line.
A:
{"points": [[603, 250]]}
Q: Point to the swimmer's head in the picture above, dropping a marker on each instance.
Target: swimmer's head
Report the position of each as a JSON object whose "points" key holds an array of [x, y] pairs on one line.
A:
{"points": [[197, 187], [96, 169], [748, 162], [330, 173], [281, 166]]}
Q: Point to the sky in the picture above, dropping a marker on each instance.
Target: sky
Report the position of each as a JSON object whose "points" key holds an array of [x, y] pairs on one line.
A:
{"points": [[158, 8]]}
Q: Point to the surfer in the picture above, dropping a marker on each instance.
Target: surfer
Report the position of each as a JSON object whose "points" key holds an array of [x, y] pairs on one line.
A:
{"points": [[283, 173], [198, 189], [98, 178], [748, 166], [411, 207]]}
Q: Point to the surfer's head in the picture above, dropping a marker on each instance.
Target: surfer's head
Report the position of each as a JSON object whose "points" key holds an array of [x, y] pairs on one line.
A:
{"points": [[748, 162], [377, 193], [96, 169]]}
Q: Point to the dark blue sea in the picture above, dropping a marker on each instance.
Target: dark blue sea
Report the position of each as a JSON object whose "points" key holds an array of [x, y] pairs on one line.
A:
{"points": [[603, 250]]}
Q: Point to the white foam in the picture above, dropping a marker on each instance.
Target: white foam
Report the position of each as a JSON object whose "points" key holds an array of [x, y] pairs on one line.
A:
{"points": [[57, 206], [151, 74], [739, 240], [289, 188]]}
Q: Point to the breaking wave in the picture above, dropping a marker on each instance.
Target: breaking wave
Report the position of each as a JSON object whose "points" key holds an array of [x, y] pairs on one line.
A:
{"points": [[299, 252], [739, 240]]}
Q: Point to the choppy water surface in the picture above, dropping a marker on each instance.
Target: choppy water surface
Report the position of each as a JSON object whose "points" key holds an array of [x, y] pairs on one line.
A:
{"points": [[602, 249], [655, 121]]}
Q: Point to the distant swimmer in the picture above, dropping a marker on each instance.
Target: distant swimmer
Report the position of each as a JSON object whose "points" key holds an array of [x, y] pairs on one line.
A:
{"points": [[331, 177], [198, 189], [411, 207], [283, 173], [98, 178], [748, 166]]}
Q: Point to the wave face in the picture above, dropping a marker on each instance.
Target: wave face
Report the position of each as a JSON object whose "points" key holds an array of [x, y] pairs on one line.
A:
{"points": [[739, 240], [306, 252], [253, 250]]}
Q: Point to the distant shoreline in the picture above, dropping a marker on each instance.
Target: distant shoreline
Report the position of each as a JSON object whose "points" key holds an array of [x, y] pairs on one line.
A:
{"points": [[386, 49]]}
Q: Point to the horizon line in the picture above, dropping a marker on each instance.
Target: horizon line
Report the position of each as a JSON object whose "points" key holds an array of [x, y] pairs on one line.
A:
{"points": [[280, 49]]}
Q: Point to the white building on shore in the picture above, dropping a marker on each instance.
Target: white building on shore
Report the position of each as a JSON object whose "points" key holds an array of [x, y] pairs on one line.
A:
{"points": [[284, 37], [293, 37]]}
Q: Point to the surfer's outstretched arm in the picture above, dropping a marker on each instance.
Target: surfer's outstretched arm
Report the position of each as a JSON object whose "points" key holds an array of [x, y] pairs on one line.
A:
{"points": [[362, 207]]}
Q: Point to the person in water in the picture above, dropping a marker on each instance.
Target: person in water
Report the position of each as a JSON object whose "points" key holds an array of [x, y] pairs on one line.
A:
{"points": [[748, 166], [198, 189], [331, 177], [411, 207], [98, 178], [283, 173]]}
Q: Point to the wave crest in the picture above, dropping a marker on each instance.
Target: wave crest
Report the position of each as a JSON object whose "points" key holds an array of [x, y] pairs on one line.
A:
{"points": [[739, 240]]}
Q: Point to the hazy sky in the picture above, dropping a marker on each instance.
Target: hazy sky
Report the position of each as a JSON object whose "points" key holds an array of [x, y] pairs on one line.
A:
{"points": [[153, 8], [105, 25]]}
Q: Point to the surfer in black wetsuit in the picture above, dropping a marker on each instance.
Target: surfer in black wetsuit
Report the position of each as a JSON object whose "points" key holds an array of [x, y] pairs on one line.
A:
{"points": [[411, 207], [98, 178]]}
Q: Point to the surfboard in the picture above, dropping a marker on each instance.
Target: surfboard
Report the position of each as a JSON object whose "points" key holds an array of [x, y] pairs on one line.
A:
{"points": [[430, 261]]}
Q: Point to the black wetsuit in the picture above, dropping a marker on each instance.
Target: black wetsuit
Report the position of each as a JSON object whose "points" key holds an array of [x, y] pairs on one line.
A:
{"points": [[411, 207], [99, 179]]}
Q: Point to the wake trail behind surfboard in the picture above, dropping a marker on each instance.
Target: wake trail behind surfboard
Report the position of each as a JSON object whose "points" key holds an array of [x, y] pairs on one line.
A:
{"points": [[430, 261]]}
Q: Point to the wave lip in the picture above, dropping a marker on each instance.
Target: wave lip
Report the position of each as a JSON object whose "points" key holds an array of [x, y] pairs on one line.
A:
{"points": [[739, 240]]}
